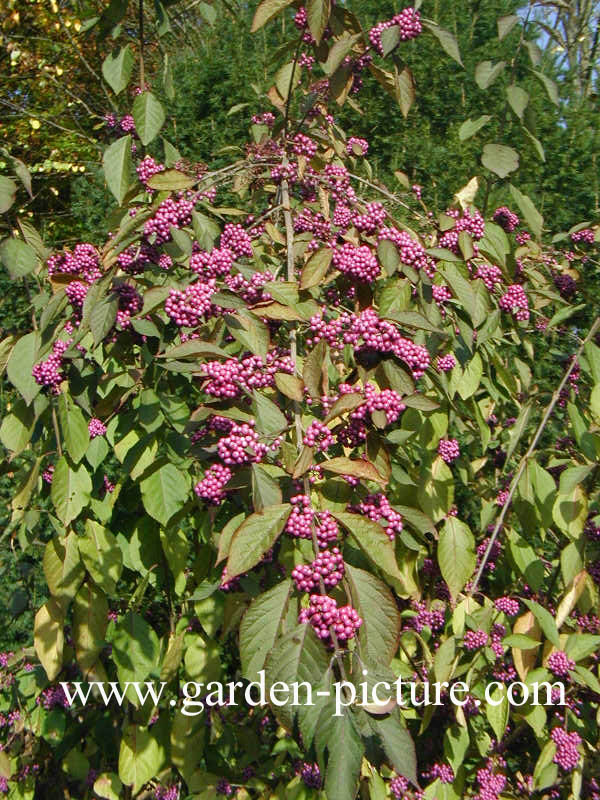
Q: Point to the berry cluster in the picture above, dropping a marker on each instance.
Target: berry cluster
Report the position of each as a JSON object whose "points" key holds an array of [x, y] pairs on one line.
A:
{"points": [[585, 235], [560, 664], [325, 616], [371, 220], [357, 262], [210, 488], [377, 507], [375, 333], [232, 378], [212, 265], [48, 373], [303, 145], [506, 219], [303, 517], [507, 605], [186, 308], [171, 212], [237, 240], [241, 445], [491, 783], [446, 363], [409, 25], [318, 435], [515, 301], [449, 450], [83, 261], [567, 752], [356, 146], [473, 640], [490, 275], [147, 168], [411, 252], [96, 428], [328, 565]]}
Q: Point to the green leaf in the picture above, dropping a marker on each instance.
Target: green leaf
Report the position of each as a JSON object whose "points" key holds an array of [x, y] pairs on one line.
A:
{"points": [[101, 555], [506, 24], [517, 99], [497, 711], [266, 11], [446, 39], [549, 85], [405, 89], [338, 52], [371, 538], [164, 492], [570, 511], [108, 786], [90, 619], [17, 427], [117, 67], [486, 73], [526, 560], [316, 268], [141, 757], [171, 180], [8, 193], [63, 569], [117, 167], [269, 418], [21, 362], [48, 638], [499, 159], [73, 427], [255, 536], [380, 632], [532, 216], [176, 549], [456, 554], [471, 126], [518, 429], [546, 620], [495, 243], [19, 258], [71, 490], [260, 626], [148, 115], [390, 39], [298, 656], [265, 489], [436, 490], [317, 12], [346, 750], [472, 373], [397, 744], [251, 333], [135, 648]]}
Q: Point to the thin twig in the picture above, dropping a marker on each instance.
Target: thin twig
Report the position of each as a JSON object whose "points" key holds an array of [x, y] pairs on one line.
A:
{"points": [[528, 454]]}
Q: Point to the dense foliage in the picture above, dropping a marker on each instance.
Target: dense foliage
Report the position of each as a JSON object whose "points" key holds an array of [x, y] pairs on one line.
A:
{"points": [[289, 418]]}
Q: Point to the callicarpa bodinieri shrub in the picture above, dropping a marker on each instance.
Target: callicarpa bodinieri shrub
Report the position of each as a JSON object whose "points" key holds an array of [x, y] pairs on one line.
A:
{"points": [[288, 422]]}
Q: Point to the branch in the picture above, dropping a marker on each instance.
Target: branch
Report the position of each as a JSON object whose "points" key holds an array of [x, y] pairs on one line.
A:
{"points": [[523, 463]]}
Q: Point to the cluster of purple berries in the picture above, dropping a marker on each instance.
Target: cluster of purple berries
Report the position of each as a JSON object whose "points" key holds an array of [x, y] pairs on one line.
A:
{"points": [[48, 373], [356, 146], [96, 428], [328, 565], [585, 235], [376, 334], [210, 488], [356, 262], [446, 363], [232, 378], [323, 614], [83, 261], [560, 664], [318, 435], [172, 212], [241, 445], [567, 752], [303, 517], [448, 450], [187, 308], [409, 25], [147, 168], [507, 605], [506, 219], [515, 301], [377, 507]]}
